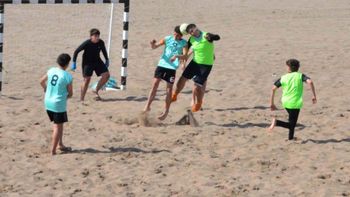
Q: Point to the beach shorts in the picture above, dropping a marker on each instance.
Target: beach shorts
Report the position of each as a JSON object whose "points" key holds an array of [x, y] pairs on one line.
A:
{"points": [[57, 117], [197, 72], [166, 74], [89, 67]]}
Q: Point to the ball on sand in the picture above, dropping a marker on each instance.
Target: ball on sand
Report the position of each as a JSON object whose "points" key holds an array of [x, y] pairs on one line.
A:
{"points": [[183, 27]]}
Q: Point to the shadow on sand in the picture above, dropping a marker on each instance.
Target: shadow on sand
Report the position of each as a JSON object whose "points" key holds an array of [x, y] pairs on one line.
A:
{"points": [[243, 108], [129, 98], [118, 150], [325, 141]]}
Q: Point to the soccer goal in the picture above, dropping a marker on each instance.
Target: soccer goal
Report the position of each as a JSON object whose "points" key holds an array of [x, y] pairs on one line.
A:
{"points": [[124, 54]]}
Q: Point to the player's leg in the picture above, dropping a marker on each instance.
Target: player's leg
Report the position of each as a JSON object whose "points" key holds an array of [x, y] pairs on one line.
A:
{"points": [[56, 135], [152, 94], [200, 80], [84, 87], [101, 70], [188, 73], [87, 73], [169, 77], [169, 90], [293, 118], [158, 73], [273, 124]]}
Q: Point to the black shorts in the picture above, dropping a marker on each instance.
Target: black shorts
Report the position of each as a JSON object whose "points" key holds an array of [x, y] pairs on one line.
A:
{"points": [[89, 67], [198, 72], [57, 117], [166, 74]]}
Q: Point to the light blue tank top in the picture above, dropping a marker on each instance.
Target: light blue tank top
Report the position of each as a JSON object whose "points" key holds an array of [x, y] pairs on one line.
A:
{"points": [[56, 90], [172, 47]]}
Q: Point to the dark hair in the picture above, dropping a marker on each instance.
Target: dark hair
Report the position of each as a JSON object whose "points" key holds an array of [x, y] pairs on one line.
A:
{"points": [[94, 31], [190, 26], [177, 30], [293, 64], [63, 59]]}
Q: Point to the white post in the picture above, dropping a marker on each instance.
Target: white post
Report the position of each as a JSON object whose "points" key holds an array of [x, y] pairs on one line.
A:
{"points": [[110, 31]]}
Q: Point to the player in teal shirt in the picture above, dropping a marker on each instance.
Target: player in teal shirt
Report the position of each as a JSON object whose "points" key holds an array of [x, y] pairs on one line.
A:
{"points": [[167, 65], [57, 85], [56, 91]]}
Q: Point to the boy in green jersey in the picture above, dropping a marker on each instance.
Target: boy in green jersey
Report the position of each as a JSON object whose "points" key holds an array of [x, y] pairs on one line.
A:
{"points": [[199, 68], [292, 96]]}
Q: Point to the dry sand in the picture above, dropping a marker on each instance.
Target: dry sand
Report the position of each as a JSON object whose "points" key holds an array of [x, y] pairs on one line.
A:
{"points": [[230, 153]]}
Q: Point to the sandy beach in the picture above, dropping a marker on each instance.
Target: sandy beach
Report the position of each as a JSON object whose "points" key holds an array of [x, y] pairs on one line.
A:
{"points": [[230, 153]]}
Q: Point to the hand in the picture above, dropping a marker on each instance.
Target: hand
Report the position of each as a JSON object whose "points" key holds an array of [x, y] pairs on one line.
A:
{"points": [[273, 107], [153, 44], [172, 59], [183, 65], [314, 100], [107, 63], [73, 66]]}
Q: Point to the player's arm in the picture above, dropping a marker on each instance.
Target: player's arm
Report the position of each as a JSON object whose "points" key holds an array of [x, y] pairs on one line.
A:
{"points": [[273, 91], [104, 51], [70, 90], [77, 51], [155, 44], [312, 86], [75, 55], [212, 37], [43, 81], [182, 56]]}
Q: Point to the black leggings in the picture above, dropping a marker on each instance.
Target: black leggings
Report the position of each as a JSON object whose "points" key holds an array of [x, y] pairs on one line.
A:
{"points": [[293, 118]]}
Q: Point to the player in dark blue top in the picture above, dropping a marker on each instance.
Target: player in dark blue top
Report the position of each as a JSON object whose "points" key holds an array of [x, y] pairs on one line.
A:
{"points": [[92, 62]]}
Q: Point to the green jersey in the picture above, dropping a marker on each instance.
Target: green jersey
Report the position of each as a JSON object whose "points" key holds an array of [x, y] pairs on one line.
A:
{"points": [[203, 50], [292, 86]]}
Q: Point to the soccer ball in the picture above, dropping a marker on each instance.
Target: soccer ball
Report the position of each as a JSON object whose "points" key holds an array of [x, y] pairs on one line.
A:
{"points": [[183, 27]]}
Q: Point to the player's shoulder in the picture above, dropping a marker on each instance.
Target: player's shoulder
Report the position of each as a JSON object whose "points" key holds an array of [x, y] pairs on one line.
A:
{"points": [[87, 41], [169, 37], [101, 41], [51, 69], [68, 76]]}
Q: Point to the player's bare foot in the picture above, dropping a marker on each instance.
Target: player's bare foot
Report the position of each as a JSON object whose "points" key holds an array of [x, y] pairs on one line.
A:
{"points": [[97, 96], [273, 124], [147, 109], [163, 115], [173, 97], [65, 149], [196, 107]]}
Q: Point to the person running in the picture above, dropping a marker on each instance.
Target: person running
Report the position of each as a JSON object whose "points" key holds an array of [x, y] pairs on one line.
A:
{"points": [[92, 62], [292, 96], [199, 68], [174, 48], [58, 86]]}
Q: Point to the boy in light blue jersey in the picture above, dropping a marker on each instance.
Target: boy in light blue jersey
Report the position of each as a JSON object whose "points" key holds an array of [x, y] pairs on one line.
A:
{"points": [[169, 62], [57, 85]]}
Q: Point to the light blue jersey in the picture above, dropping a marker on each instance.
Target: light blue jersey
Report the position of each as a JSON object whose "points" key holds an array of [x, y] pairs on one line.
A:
{"points": [[172, 47], [56, 90]]}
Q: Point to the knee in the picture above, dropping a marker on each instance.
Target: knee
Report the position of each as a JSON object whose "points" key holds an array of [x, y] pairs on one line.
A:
{"points": [[107, 75], [87, 79]]}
